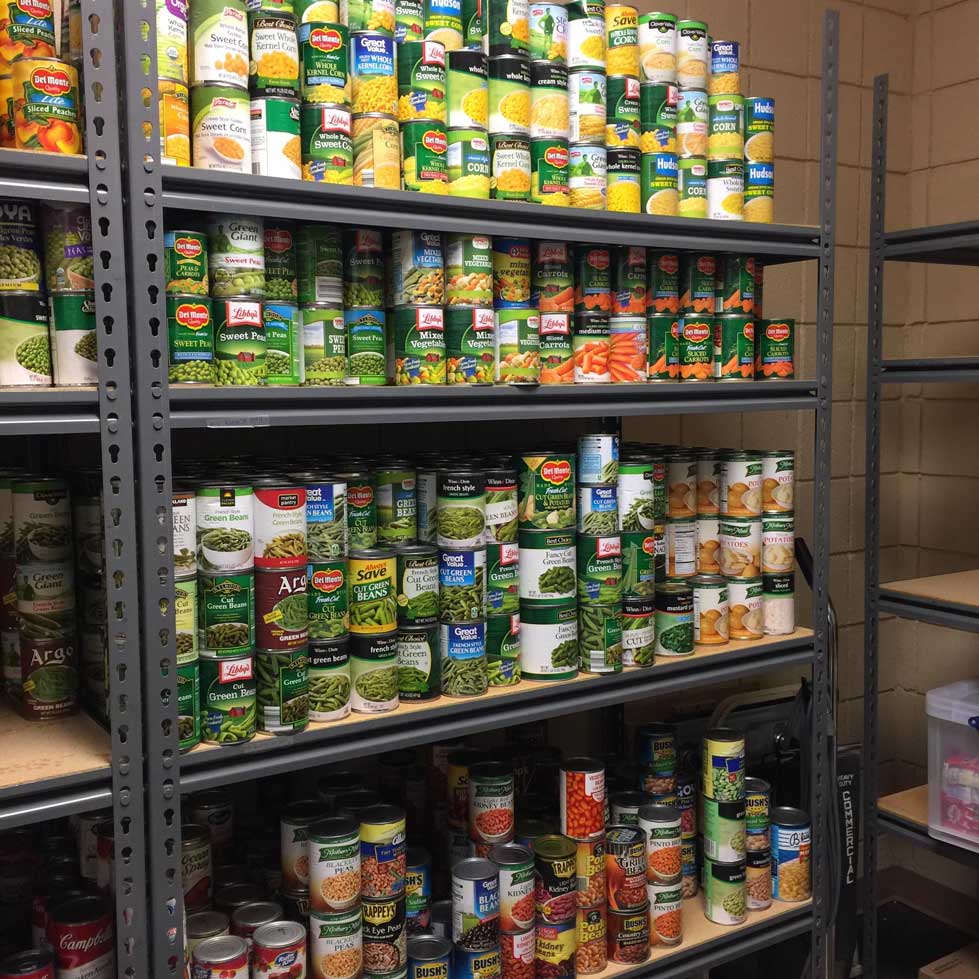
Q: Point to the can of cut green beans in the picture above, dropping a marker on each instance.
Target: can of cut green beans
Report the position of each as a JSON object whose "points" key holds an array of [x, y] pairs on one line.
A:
{"points": [[373, 590], [462, 584], [549, 641], [188, 705], [282, 683], [329, 680], [599, 565], [419, 663], [228, 709], [503, 649], [185, 619], [374, 672], [502, 578], [397, 505], [281, 617], [326, 599], [638, 631], [600, 638], [417, 584], [361, 507], [226, 614], [462, 647], [461, 507], [547, 567], [598, 509]]}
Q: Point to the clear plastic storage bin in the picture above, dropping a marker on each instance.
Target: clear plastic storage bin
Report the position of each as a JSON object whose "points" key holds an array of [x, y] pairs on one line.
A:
{"points": [[953, 763]]}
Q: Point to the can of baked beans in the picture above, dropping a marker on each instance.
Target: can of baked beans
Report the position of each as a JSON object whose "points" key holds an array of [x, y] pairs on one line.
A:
{"points": [[625, 867], [476, 965], [628, 935], [556, 879], [335, 943], [279, 949], [418, 889], [590, 871], [475, 905], [590, 928], [334, 864], [662, 827], [582, 796], [515, 864], [429, 957]]}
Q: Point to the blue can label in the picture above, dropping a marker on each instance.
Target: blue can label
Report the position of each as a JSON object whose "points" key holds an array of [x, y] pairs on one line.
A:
{"points": [[460, 569], [477, 965], [760, 175], [372, 54], [791, 863], [462, 640], [763, 110], [725, 57]]}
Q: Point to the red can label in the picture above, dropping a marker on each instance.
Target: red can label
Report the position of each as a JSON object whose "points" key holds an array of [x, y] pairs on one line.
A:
{"points": [[281, 619], [287, 962], [85, 950], [280, 527], [236, 968]]}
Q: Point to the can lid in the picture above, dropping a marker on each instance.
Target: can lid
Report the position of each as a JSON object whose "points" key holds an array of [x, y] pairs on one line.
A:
{"points": [[510, 854], [428, 948], [752, 784], [554, 847], [630, 799], [333, 827], [414, 549], [382, 813], [303, 813], [789, 816], [657, 813], [255, 914], [191, 835], [724, 734], [279, 934], [26, 963], [582, 764], [222, 948], [474, 868], [206, 924]]}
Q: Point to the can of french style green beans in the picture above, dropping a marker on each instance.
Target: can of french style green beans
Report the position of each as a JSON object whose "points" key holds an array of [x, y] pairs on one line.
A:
{"points": [[600, 638], [419, 663], [463, 651]]}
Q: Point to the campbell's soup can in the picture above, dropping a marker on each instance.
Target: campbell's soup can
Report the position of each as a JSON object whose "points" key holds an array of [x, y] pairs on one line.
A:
{"points": [[82, 937]]}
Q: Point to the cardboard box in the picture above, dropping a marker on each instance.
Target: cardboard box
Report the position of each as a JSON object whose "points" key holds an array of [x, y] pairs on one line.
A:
{"points": [[963, 964]]}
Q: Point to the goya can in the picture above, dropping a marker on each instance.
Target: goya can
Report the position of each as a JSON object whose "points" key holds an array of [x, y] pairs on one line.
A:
{"points": [[549, 641], [329, 680], [421, 80], [424, 147], [228, 700], [324, 50], [377, 151], [517, 346], [470, 345]]}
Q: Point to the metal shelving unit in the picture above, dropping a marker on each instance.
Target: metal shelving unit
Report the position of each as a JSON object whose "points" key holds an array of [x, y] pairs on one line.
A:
{"points": [[135, 766], [950, 600]]}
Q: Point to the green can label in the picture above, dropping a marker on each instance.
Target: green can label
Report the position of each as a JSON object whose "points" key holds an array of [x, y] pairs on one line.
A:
{"points": [[74, 343], [556, 350], [469, 163], [468, 270], [546, 498], [188, 705], [190, 336], [419, 345], [421, 80], [324, 340], [517, 346], [283, 348], [282, 681], [600, 638], [759, 130], [366, 346], [185, 262], [467, 89], [280, 263], [228, 700], [638, 564], [185, 614], [397, 503], [329, 681], [658, 180], [409, 21], [622, 102], [473, 24], [502, 578], [424, 148], [549, 641], [226, 614], [599, 570], [775, 344], [696, 348], [361, 509], [319, 252], [470, 346], [725, 127], [734, 284], [503, 650], [327, 146], [325, 50], [508, 27], [326, 599], [418, 588], [547, 572], [734, 348], [363, 267], [419, 663], [239, 343], [691, 184], [549, 171], [369, 15], [657, 110]]}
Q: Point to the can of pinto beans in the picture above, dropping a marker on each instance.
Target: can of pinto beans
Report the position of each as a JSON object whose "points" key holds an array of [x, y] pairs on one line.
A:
{"points": [[582, 796]]}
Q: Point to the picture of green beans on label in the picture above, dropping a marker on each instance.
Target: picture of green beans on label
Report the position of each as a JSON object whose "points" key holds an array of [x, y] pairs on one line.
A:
{"points": [[645, 654], [557, 581], [377, 615], [424, 606], [185, 646], [463, 603], [412, 680], [328, 692], [230, 726], [224, 540], [564, 656], [640, 516], [593, 631], [464, 677], [459, 523], [505, 533], [227, 635], [282, 683], [326, 540], [293, 609], [552, 519], [379, 685], [362, 529], [498, 677], [600, 524], [321, 627], [632, 556]]}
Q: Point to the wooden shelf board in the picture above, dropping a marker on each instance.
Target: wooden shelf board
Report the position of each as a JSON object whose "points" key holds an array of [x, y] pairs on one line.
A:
{"points": [[960, 587], [52, 749], [911, 805]]}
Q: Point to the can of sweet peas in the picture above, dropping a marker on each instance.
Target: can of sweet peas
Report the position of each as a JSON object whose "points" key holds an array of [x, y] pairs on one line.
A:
{"points": [[582, 795]]}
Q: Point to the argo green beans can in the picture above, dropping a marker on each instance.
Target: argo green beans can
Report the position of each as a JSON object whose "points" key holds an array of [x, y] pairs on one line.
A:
{"points": [[373, 601], [517, 346], [503, 650], [324, 345], [228, 700], [190, 336], [327, 599], [417, 584], [419, 345], [470, 334], [374, 672], [282, 682], [419, 663], [461, 507], [226, 614], [549, 641], [329, 680], [674, 619], [600, 638]]}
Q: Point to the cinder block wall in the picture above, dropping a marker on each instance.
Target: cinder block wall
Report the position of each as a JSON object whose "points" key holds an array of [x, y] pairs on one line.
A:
{"points": [[930, 438]]}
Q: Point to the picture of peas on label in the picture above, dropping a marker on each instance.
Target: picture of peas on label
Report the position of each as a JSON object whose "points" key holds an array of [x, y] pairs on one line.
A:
{"points": [[462, 585]]}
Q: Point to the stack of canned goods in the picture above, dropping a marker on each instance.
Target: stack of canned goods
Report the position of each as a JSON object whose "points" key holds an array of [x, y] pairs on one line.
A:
{"points": [[555, 904], [46, 295], [631, 188], [518, 939], [587, 104], [758, 840]]}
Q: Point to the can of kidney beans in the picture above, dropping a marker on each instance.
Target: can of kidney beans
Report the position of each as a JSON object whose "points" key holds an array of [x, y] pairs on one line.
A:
{"points": [[582, 796], [491, 802], [517, 952], [625, 867], [628, 935], [556, 948], [475, 905], [555, 879], [516, 867]]}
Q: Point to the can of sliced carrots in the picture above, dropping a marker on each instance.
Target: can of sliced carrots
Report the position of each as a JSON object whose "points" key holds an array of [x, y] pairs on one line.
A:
{"points": [[556, 351], [696, 348], [590, 340], [628, 342], [734, 348], [774, 349]]}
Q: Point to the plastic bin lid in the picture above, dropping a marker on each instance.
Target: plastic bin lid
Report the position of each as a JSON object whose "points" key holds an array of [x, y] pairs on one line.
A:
{"points": [[957, 702]]}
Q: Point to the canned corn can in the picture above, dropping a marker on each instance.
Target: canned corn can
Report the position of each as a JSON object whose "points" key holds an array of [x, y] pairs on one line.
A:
{"points": [[725, 190], [759, 192], [325, 50], [171, 40], [509, 95], [692, 187], [692, 54], [444, 23], [273, 68], [657, 47], [587, 169], [409, 20], [517, 346], [368, 15], [507, 27], [419, 345], [587, 99], [622, 110], [586, 39], [421, 80], [725, 68], [549, 159], [759, 130], [174, 122], [221, 128], [622, 180], [327, 147], [548, 100], [725, 127], [316, 10], [469, 163], [473, 24], [275, 139], [659, 183], [424, 147], [373, 81], [509, 167], [622, 40], [692, 115], [657, 117], [548, 32], [376, 151], [466, 89], [219, 44]]}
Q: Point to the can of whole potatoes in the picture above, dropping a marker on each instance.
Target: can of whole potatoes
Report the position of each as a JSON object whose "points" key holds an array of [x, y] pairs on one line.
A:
{"points": [[778, 479], [329, 680], [377, 151], [710, 609], [470, 345]]}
